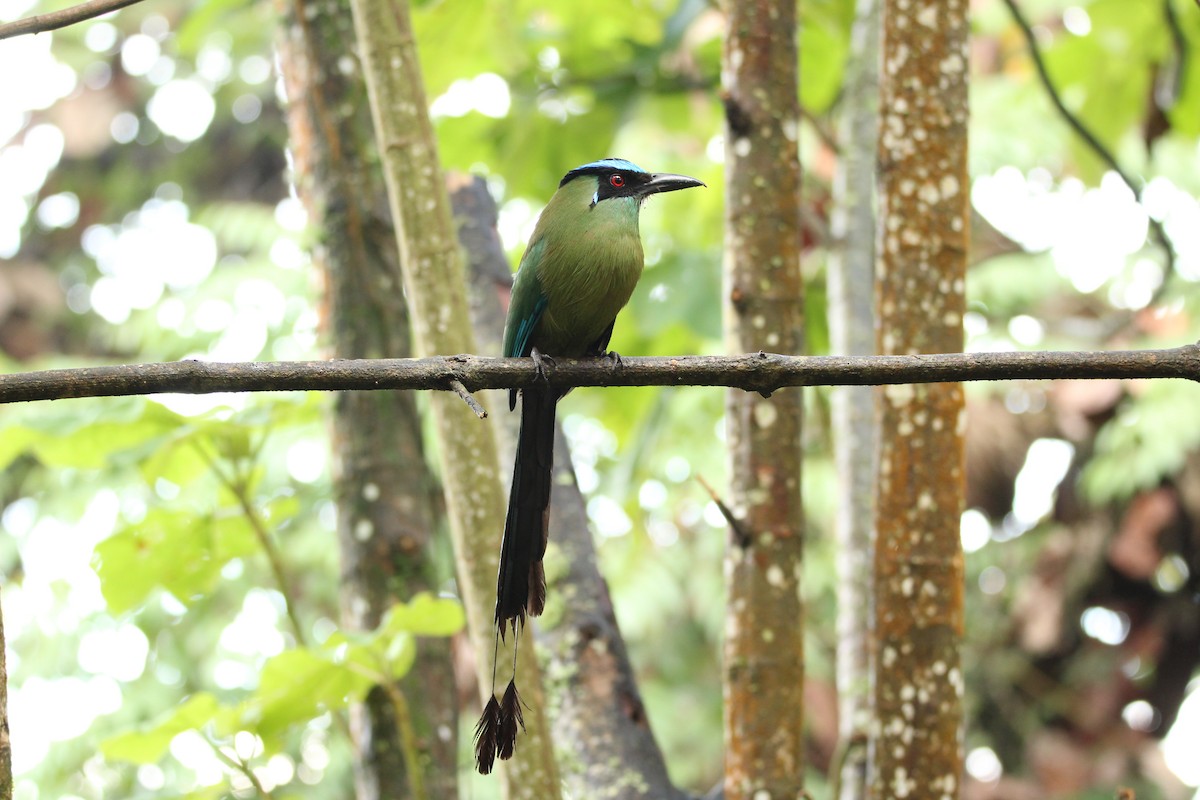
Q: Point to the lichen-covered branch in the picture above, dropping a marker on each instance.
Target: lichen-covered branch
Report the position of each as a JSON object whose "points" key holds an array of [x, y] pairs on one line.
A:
{"points": [[921, 256], [764, 309]]}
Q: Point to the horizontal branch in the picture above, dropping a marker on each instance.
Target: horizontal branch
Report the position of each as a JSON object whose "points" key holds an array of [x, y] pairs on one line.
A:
{"points": [[61, 19], [761, 372]]}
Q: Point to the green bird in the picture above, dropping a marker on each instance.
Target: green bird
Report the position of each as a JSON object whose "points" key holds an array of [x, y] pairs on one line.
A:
{"points": [[578, 271]]}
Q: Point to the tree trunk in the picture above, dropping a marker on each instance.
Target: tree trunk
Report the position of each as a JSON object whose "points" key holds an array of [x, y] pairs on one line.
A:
{"points": [[764, 644], [6, 776], [922, 246], [436, 290], [382, 483], [852, 332]]}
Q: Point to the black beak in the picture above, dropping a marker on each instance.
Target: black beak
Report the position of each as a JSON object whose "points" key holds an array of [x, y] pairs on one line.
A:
{"points": [[666, 182]]}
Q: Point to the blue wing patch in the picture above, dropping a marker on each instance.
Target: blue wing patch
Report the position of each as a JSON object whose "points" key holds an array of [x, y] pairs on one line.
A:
{"points": [[521, 344]]}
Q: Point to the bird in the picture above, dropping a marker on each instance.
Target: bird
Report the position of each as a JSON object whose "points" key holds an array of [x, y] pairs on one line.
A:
{"points": [[578, 271]]}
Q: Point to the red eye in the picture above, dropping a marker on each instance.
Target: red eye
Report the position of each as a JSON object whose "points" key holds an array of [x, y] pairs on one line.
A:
{"points": [[617, 181]]}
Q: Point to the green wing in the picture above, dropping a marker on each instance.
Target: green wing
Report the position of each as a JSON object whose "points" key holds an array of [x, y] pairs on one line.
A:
{"points": [[526, 305]]}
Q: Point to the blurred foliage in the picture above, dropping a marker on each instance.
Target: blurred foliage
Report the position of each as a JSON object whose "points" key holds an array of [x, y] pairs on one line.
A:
{"points": [[1148, 441], [152, 650]]}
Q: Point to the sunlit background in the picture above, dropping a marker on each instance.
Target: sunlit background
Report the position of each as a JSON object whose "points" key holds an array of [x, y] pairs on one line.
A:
{"points": [[117, 245]]}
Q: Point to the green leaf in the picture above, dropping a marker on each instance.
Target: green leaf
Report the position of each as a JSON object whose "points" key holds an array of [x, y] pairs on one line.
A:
{"points": [[173, 549], [400, 655], [424, 615], [14, 441], [100, 444], [179, 461], [1185, 114], [391, 649], [298, 685], [1105, 76], [822, 65], [147, 746], [1150, 437]]}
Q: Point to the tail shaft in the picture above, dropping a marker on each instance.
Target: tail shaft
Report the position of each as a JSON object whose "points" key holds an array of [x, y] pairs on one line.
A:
{"points": [[521, 582]]}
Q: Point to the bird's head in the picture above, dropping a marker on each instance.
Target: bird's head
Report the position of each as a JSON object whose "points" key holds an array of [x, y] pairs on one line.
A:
{"points": [[617, 178]]}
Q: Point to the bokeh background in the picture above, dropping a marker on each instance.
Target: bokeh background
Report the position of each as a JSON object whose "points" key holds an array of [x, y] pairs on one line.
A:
{"points": [[146, 215]]}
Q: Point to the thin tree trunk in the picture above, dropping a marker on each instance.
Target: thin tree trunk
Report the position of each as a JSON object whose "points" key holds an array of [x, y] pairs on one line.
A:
{"points": [[599, 721], [852, 331], [922, 240], [436, 290], [764, 644], [382, 483], [6, 775]]}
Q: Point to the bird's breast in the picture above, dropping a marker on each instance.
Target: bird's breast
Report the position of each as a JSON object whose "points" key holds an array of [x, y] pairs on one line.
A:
{"points": [[587, 279]]}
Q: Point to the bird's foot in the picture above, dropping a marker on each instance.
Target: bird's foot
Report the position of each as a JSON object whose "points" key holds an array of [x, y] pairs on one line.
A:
{"points": [[540, 360], [614, 357]]}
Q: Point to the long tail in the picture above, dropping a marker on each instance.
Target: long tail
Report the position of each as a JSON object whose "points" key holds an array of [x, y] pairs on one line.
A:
{"points": [[521, 583]]}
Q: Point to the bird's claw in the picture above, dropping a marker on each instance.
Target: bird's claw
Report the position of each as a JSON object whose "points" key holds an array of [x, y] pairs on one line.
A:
{"points": [[614, 357], [540, 360]]}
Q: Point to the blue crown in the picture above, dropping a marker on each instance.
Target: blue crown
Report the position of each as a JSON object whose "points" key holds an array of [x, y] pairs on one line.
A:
{"points": [[602, 166]]}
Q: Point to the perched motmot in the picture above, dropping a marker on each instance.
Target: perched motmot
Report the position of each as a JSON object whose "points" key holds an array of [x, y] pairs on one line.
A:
{"points": [[578, 271]]}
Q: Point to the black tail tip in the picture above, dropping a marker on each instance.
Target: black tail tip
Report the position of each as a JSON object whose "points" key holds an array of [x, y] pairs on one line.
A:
{"points": [[486, 733], [510, 718], [496, 732]]}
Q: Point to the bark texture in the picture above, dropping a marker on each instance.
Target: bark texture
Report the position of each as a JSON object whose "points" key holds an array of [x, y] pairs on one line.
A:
{"points": [[603, 737], [757, 372], [764, 644], [852, 332], [922, 246], [6, 776], [382, 484], [436, 290]]}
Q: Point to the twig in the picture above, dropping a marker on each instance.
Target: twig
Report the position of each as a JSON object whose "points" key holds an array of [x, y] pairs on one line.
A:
{"points": [[755, 372], [274, 558], [841, 757], [408, 739], [242, 767], [54, 20], [410, 745], [739, 534], [236, 484], [1076, 124], [1089, 138], [821, 128], [237, 487], [462, 392], [1182, 51]]}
